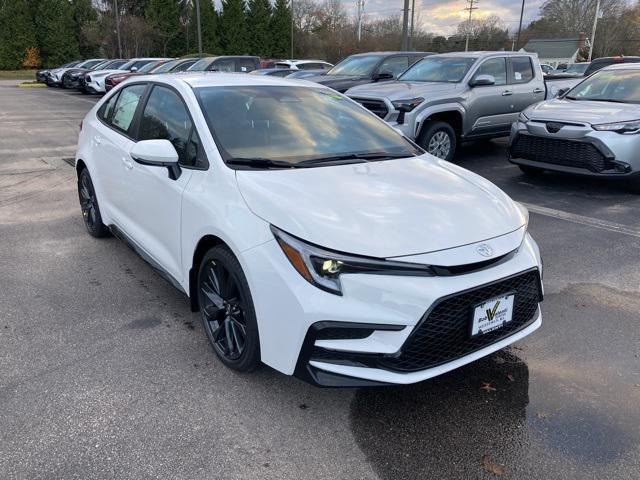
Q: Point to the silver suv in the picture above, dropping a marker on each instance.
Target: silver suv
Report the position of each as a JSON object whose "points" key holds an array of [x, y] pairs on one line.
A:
{"points": [[444, 99], [593, 129]]}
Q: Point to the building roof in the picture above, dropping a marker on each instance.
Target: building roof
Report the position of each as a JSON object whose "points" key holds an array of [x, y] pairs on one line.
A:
{"points": [[553, 48]]}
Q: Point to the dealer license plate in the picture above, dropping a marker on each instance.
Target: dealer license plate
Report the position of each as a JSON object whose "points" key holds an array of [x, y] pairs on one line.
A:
{"points": [[492, 315]]}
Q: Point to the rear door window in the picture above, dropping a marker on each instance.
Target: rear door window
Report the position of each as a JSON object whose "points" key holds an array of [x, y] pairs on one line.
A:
{"points": [[106, 110], [394, 65], [125, 107], [521, 70]]}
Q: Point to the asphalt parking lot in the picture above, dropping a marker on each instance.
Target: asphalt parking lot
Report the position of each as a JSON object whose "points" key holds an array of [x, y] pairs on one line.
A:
{"points": [[105, 373]]}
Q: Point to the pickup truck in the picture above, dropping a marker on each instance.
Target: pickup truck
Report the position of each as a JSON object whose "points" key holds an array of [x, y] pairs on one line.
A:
{"points": [[446, 99]]}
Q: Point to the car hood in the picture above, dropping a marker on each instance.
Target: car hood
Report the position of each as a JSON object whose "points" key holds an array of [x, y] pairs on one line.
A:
{"points": [[382, 209], [399, 90], [583, 110], [327, 79]]}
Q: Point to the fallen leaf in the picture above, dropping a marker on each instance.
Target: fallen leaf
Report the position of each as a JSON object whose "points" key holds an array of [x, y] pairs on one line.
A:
{"points": [[511, 377], [488, 387], [490, 466]]}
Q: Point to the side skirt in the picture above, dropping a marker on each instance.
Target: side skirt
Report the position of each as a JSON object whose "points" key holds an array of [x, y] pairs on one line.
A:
{"points": [[119, 234]]}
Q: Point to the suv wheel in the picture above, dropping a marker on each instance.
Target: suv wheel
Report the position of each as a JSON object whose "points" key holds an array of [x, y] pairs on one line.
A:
{"points": [[439, 139], [227, 311], [89, 206]]}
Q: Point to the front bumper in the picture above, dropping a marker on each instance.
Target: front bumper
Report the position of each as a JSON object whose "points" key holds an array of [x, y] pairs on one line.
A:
{"points": [[361, 338], [580, 150], [95, 85]]}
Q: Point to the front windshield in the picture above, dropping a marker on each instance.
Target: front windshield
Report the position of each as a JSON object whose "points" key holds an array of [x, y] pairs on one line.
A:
{"points": [[91, 63], [577, 68], [165, 67], [357, 65], [101, 65], [200, 66], [295, 124], [438, 69], [148, 67], [622, 86]]}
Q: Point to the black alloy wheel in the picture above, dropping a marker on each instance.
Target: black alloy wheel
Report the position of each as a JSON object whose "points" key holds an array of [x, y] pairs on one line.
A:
{"points": [[227, 310], [89, 206]]}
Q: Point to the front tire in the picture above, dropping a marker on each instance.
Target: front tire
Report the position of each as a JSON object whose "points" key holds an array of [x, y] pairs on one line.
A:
{"points": [[89, 206], [439, 139], [227, 311]]}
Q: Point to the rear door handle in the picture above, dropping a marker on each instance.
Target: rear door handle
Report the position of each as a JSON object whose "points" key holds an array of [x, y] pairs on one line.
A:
{"points": [[506, 93], [538, 90], [127, 163]]}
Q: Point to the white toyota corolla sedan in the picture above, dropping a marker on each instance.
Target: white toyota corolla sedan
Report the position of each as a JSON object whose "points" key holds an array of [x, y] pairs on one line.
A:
{"points": [[308, 233]]}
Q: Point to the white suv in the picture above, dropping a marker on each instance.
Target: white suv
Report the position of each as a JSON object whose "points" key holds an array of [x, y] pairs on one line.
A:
{"points": [[306, 231]]}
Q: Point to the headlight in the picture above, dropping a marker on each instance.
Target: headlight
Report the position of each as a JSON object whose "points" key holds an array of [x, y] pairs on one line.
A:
{"points": [[322, 267], [523, 118], [632, 126], [407, 105]]}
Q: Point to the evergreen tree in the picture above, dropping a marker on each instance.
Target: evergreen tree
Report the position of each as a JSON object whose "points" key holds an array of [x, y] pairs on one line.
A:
{"points": [[55, 32], [233, 27], [164, 17], [84, 16], [258, 19], [210, 26], [17, 32], [280, 28]]}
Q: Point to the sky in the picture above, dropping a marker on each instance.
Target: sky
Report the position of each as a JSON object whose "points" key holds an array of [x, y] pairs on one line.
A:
{"points": [[441, 16]]}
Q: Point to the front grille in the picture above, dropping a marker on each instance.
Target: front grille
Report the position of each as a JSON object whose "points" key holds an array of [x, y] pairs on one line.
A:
{"points": [[568, 153], [376, 106], [444, 334]]}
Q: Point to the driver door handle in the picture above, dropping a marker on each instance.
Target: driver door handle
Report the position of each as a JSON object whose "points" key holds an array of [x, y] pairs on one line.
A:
{"points": [[506, 93], [127, 163], [538, 90]]}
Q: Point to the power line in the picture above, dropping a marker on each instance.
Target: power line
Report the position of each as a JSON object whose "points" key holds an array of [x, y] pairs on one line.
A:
{"points": [[470, 8]]}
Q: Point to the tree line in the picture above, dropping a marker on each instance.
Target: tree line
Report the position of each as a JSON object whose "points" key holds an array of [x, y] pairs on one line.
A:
{"points": [[51, 32]]}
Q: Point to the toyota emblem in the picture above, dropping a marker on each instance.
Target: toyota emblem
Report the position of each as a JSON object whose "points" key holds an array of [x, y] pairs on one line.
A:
{"points": [[484, 250]]}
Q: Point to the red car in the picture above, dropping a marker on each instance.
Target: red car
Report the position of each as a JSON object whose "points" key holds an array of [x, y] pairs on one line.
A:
{"points": [[162, 66]]}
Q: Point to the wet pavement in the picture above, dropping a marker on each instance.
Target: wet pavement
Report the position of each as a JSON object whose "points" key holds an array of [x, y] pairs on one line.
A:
{"points": [[106, 374]]}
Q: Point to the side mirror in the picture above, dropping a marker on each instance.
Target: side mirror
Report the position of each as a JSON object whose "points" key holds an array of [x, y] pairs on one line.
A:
{"points": [[134, 69], [562, 92], [483, 81], [157, 153], [384, 76]]}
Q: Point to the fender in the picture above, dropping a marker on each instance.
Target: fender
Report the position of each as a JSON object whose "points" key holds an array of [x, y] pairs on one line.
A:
{"points": [[422, 115]]}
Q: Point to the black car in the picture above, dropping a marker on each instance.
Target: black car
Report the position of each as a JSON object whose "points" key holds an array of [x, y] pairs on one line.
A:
{"points": [[41, 75], [367, 68], [71, 78], [602, 62], [240, 63]]}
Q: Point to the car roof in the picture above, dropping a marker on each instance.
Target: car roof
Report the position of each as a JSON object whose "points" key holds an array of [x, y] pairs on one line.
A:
{"points": [[382, 54], [483, 54], [630, 59], [301, 61], [218, 79], [622, 66]]}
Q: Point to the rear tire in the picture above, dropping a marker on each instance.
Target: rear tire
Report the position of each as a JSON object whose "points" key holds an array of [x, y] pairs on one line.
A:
{"points": [[89, 206], [531, 171], [439, 139], [227, 311]]}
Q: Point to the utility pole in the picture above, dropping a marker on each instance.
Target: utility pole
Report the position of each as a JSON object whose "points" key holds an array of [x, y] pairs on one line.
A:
{"points": [[360, 7], [199, 27], [593, 32], [519, 26], [471, 8], [405, 26], [292, 29], [413, 19], [115, 7]]}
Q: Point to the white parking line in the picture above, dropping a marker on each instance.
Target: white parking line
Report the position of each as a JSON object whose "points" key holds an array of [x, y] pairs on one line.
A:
{"points": [[581, 219]]}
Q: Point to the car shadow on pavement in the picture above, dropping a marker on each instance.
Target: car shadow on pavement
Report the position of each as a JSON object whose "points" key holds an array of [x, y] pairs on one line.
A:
{"points": [[453, 426]]}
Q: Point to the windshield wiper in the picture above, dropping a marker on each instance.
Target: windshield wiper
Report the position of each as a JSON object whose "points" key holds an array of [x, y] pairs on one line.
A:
{"points": [[359, 157], [260, 162]]}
